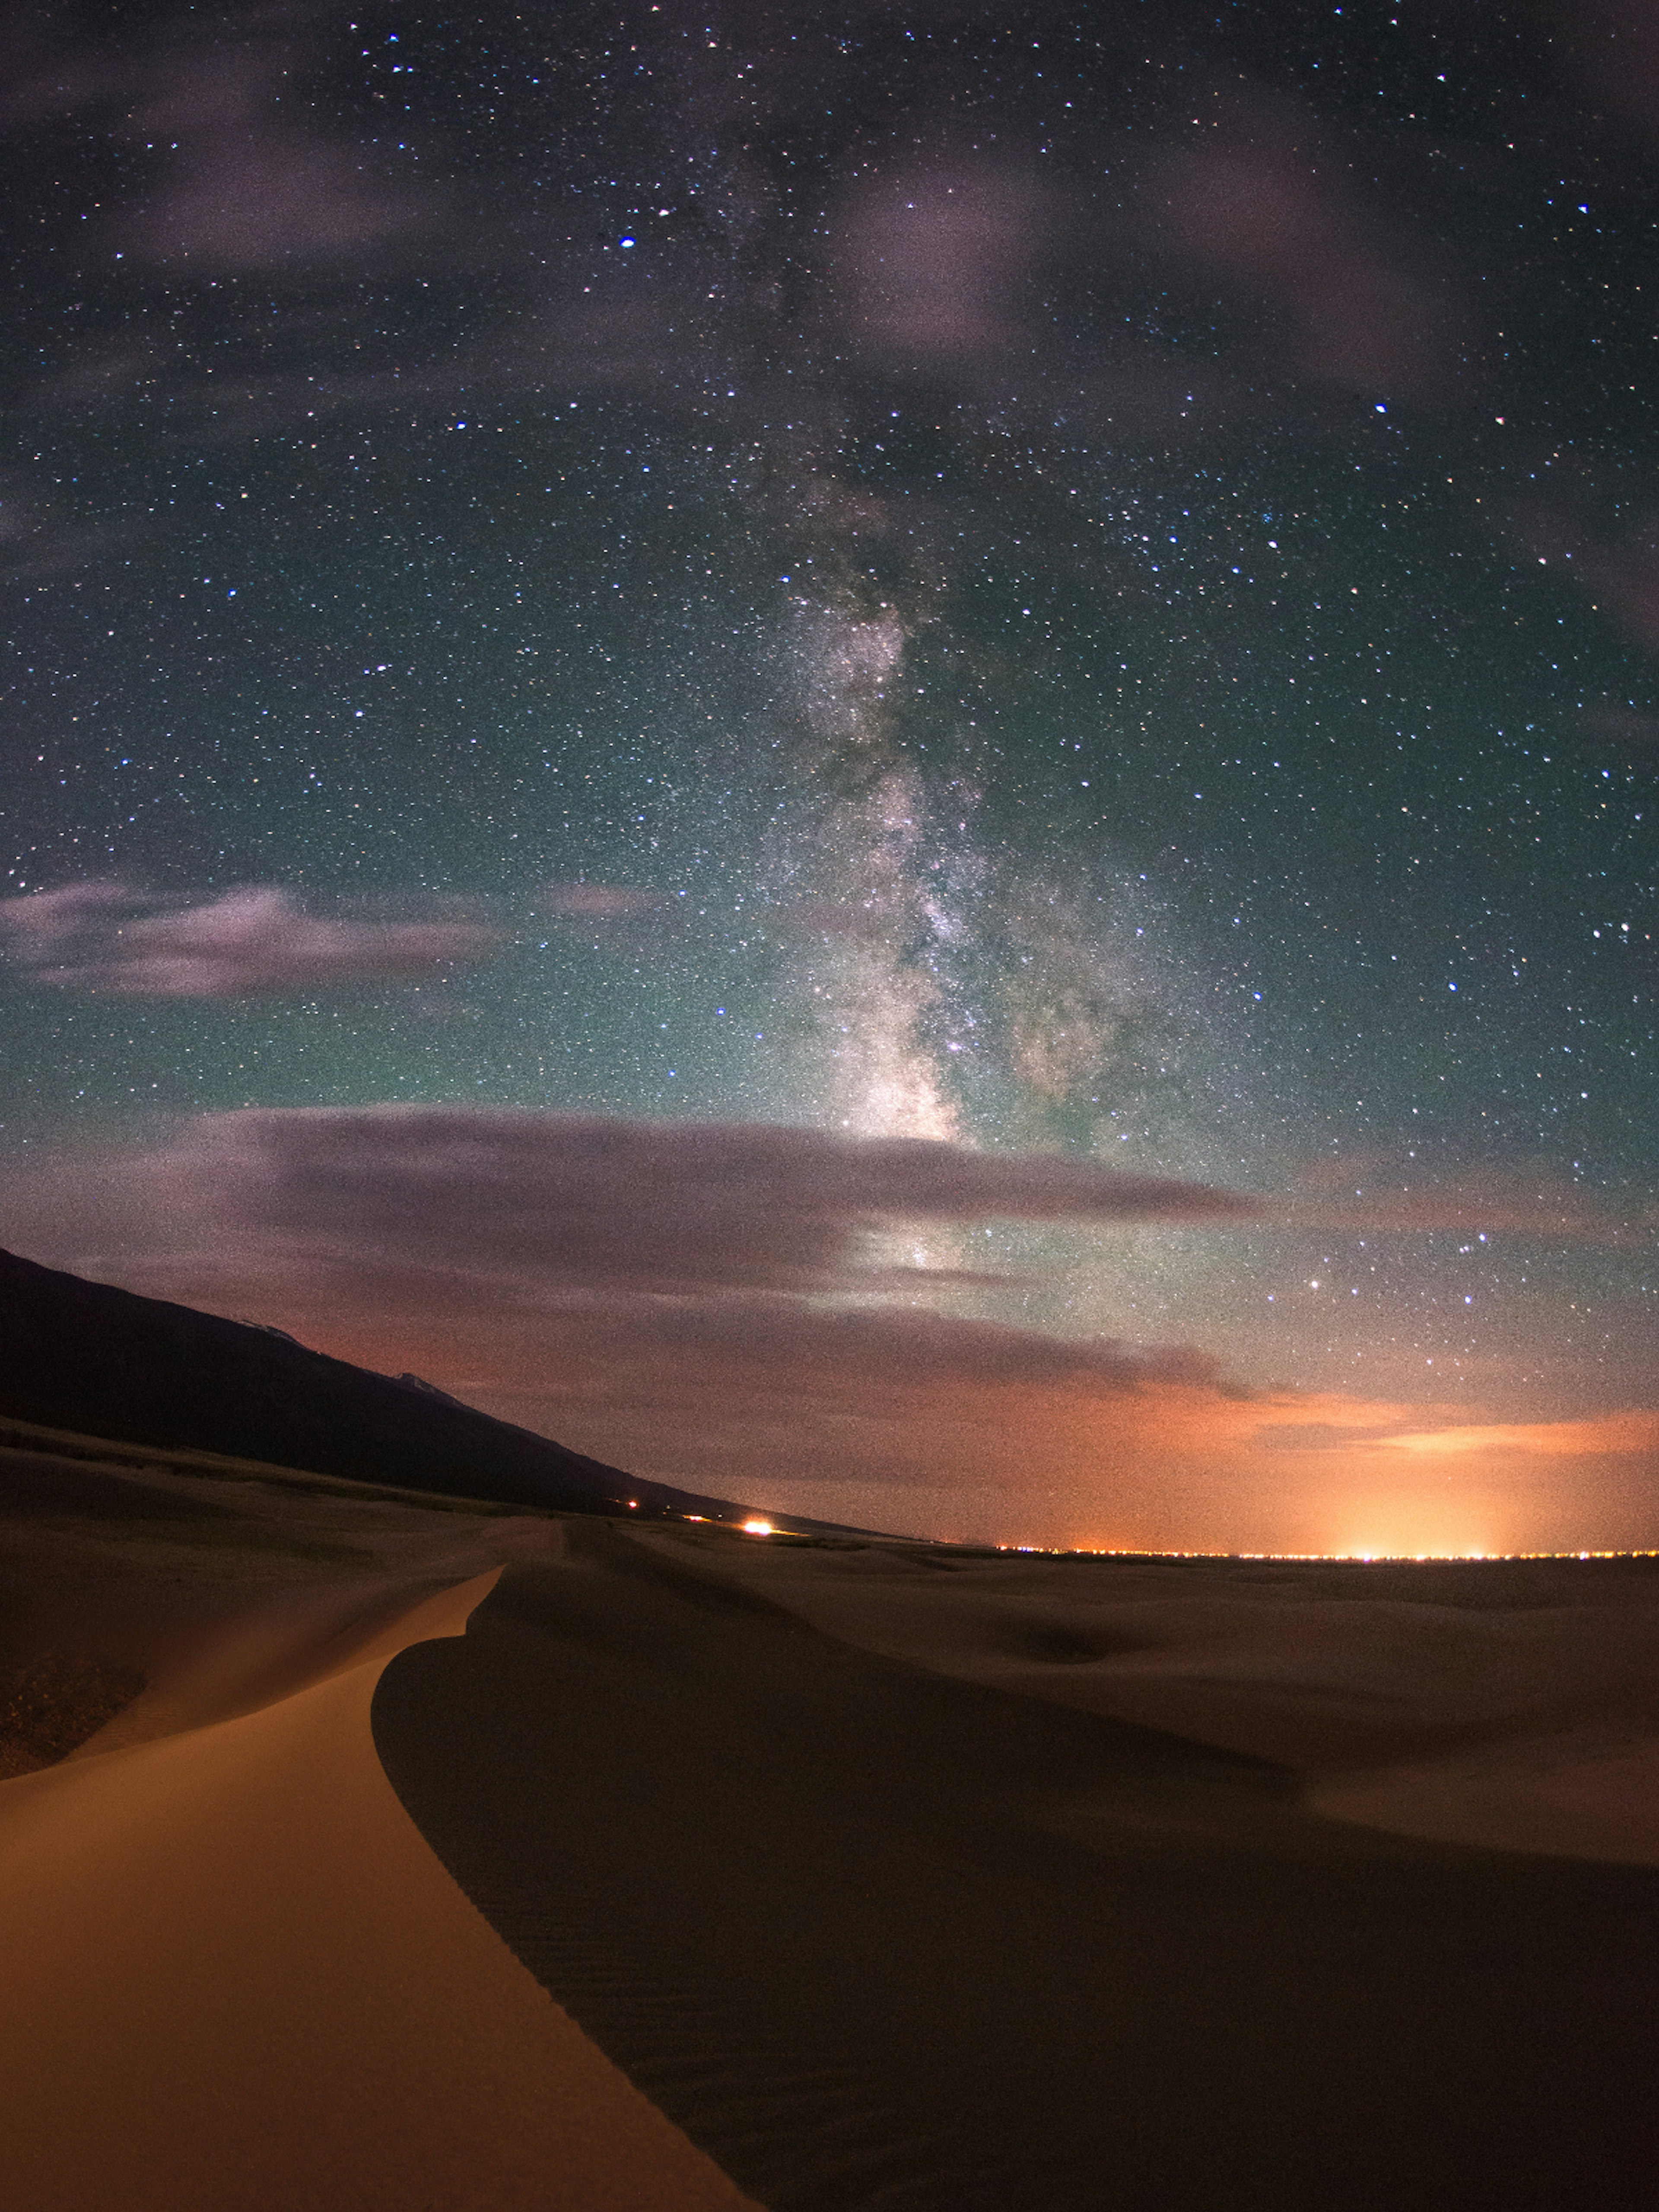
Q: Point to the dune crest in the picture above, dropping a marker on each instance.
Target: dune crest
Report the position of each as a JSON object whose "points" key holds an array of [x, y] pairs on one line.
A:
{"points": [[237, 1977]]}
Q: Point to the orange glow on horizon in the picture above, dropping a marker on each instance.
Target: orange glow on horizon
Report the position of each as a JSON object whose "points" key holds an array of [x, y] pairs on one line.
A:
{"points": [[1634, 1429]]}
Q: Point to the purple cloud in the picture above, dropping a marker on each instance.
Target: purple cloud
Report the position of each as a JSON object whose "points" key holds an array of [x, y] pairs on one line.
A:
{"points": [[646, 1206], [41, 920], [257, 201], [1373, 1196], [932, 266], [252, 943], [1255, 208], [245, 186], [544, 1205], [697, 1300]]}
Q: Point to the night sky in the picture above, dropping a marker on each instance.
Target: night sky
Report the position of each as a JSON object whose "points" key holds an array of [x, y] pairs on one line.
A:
{"points": [[896, 761]]}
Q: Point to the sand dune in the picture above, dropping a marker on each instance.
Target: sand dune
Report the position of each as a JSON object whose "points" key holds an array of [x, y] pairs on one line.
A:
{"points": [[829, 1876], [1508, 1704], [880, 1936], [236, 1977], [1588, 1793]]}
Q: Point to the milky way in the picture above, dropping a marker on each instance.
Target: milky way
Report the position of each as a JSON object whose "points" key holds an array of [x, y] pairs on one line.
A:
{"points": [[1082, 590]]}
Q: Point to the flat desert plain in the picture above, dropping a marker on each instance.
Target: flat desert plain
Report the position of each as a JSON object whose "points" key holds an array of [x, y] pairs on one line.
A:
{"points": [[363, 1851]]}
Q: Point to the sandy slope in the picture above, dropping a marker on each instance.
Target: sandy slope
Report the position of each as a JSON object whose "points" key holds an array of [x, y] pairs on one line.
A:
{"points": [[234, 1975], [1587, 1793], [884, 1938], [1508, 1704]]}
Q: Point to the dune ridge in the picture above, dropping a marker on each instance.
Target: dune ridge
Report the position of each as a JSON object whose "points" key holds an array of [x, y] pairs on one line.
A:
{"points": [[236, 1977], [881, 1936]]}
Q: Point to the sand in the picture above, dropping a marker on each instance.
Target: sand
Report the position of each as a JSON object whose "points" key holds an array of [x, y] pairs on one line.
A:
{"points": [[1512, 1704], [705, 1871], [234, 1974], [878, 1934]]}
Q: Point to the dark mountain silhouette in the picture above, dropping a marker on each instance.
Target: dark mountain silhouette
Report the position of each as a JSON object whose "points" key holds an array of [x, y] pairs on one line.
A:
{"points": [[102, 1361]]}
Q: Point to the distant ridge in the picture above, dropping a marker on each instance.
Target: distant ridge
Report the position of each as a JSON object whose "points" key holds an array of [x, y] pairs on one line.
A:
{"points": [[86, 1357]]}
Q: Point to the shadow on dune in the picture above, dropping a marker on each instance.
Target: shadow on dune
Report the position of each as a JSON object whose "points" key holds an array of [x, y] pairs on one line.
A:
{"points": [[238, 1980], [876, 1938]]}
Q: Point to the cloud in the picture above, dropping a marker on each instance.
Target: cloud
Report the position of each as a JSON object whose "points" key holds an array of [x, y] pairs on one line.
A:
{"points": [[554, 1203], [41, 534], [41, 920], [1252, 207], [1578, 525], [249, 189], [242, 186], [1517, 1203], [705, 1297], [250, 942], [257, 200], [600, 901], [1616, 48], [881, 1355], [698, 1302], [899, 1419], [932, 266], [1631, 1430]]}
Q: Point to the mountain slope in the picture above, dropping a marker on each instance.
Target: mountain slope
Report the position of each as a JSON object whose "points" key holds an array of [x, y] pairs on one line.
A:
{"points": [[84, 1356]]}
